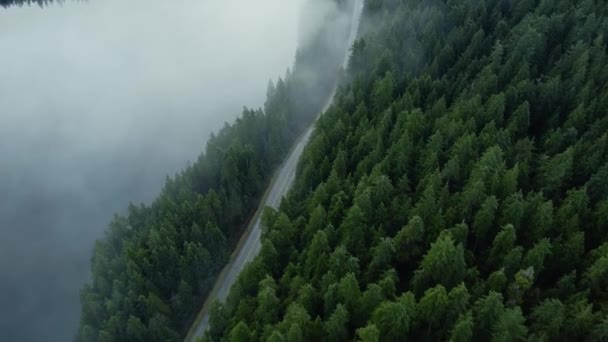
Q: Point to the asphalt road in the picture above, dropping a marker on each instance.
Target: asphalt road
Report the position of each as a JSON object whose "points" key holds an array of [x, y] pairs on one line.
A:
{"points": [[252, 243], [278, 188]]}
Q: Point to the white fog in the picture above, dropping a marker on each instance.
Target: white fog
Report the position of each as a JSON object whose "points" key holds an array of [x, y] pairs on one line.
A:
{"points": [[99, 101]]}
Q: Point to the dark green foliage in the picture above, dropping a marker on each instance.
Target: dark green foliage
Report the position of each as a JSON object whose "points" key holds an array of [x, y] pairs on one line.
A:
{"points": [[158, 262], [240, 333], [393, 318], [457, 188]]}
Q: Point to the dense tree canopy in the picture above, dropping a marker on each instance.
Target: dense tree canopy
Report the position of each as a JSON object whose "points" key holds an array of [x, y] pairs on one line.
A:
{"points": [[156, 264], [457, 188]]}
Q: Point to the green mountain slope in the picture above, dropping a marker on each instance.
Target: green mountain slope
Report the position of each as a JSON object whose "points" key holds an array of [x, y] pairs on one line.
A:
{"points": [[457, 189]]}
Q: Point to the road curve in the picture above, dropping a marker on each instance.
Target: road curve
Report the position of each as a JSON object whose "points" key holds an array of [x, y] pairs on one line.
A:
{"points": [[280, 185]]}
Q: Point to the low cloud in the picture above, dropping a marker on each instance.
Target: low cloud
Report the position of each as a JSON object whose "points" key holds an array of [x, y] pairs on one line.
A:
{"points": [[100, 100]]}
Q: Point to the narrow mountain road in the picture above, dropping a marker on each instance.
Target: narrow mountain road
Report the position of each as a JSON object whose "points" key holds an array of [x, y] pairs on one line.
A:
{"points": [[280, 185], [251, 246]]}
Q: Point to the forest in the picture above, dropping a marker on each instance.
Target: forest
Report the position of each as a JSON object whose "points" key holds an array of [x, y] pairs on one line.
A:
{"points": [[156, 264], [456, 190]]}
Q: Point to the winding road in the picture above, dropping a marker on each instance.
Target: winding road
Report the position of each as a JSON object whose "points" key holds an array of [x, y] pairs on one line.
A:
{"points": [[250, 244]]}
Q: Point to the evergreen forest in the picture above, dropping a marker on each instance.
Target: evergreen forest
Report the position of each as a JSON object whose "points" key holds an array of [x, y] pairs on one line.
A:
{"points": [[157, 263], [456, 190]]}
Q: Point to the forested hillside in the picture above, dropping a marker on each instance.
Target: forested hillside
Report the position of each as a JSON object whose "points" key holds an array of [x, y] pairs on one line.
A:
{"points": [[152, 271], [457, 189]]}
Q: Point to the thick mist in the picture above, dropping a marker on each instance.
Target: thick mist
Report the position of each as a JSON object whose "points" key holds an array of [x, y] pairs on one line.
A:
{"points": [[99, 101]]}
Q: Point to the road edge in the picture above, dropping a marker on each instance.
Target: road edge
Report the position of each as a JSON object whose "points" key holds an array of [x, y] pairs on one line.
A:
{"points": [[244, 236]]}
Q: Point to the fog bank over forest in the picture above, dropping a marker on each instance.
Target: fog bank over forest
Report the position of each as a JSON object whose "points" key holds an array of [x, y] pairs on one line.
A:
{"points": [[100, 100]]}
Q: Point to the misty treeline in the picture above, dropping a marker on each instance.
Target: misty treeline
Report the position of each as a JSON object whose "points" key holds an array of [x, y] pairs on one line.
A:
{"points": [[456, 190], [6, 3], [157, 263]]}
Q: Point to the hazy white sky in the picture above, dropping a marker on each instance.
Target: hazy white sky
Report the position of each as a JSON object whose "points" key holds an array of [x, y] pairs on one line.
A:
{"points": [[99, 100]]}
